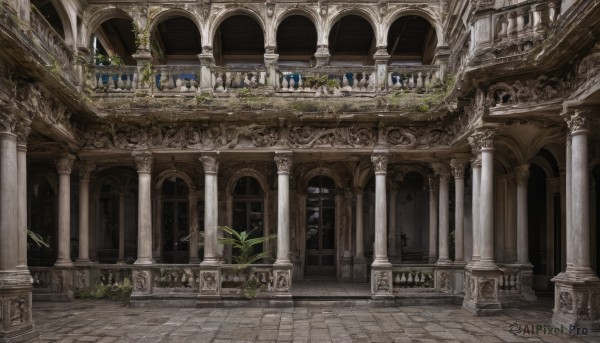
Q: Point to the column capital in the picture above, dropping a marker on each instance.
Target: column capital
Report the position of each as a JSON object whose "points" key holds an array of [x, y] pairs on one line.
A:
{"points": [[475, 143], [579, 122], [458, 168], [22, 130], [8, 122], [143, 161], [476, 162], [64, 164], [442, 170], [358, 191], [283, 159], [210, 164], [433, 183], [380, 163], [522, 173], [85, 171], [486, 138]]}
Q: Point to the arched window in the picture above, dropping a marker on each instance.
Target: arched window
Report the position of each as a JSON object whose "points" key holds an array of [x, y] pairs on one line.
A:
{"points": [[320, 227]]}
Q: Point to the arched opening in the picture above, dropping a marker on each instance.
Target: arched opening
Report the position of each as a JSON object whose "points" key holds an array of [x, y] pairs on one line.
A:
{"points": [[43, 217], [239, 40], [537, 219], [114, 42], [320, 228], [352, 41], [176, 40], [411, 40], [412, 213], [296, 41], [108, 222], [50, 13], [175, 221], [248, 209]]}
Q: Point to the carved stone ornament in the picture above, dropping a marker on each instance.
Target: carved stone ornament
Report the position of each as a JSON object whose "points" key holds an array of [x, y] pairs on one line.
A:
{"points": [[565, 302], [487, 289], [18, 310], [7, 122], [208, 281], [270, 8], [210, 164], [522, 173], [474, 142], [382, 283], [143, 161], [284, 163], [141, 282], [444, 281], [283, 280], [86, 170], [458, 169], [579, 121], [380, 163], [486, 139], [22, 130], [64, 164]]}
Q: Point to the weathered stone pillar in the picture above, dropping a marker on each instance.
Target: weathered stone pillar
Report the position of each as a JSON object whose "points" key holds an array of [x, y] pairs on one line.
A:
{"points": [[458, 171], [193, 226], [475, 184], [359, 273], [578, 289], [16, 322], [121, 258], [433, 218], [22, 131], [392, 221], [568, 206], [482, 276], [381, 269], [271, 59], [207, 60], [525, 267], [381, 58], [83, 258], [143, 161], [64, 165], [283, 266], [444, 214], [322, 55]]}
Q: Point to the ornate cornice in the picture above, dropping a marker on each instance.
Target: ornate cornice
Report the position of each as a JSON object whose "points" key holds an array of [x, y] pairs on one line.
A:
{"points": [[64, 164], [210, 164], [143, 161], [486, 138], [283, 162], [380, 163]]}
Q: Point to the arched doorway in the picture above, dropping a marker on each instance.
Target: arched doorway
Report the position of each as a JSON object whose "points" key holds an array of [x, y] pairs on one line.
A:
{"points": [[175, 221], [320, 228], [248, 208]]}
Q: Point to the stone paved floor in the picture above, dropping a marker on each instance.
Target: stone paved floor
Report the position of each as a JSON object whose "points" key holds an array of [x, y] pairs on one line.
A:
{"points": [[106, 321]]}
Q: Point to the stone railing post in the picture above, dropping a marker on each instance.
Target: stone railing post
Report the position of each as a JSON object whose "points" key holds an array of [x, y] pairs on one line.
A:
{"points": [[207, 61]]}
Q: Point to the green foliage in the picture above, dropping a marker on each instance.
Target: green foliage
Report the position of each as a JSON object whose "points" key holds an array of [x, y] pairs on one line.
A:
{"points": [[203, 98], [245, 92], [422, 108], [36, 239], [119, 291], [243, 246]]}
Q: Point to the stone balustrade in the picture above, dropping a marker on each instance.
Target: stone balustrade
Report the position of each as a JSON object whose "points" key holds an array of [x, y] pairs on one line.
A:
{"points": [[412, 78], [413, 278], [113, 79], [232, 277], [510, 281], [225, 79], [521, 18], [52, 42], [326, 80], [175, 277], [176, 78]]}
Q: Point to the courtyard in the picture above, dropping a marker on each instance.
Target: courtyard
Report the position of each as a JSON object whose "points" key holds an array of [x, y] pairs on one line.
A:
{"points": [[108, 321]]}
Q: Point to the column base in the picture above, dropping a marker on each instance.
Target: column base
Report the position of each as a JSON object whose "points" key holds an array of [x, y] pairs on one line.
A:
{"points": [[64, 263], [143, 261], [433, 260], [359, 269], [481, 291], [577, 303], [15, 302], [381, 281], [459, 276], [83, 263], [282, 282]]}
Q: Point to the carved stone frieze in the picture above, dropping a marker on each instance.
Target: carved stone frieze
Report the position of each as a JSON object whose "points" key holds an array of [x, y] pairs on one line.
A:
{"points": [[565, 304], [308, 136], [8, 122], [208, 281], [458, 168], [19, 308], [141, 282], [444, 281], [382, 283], [487, 289], [544, 88]]}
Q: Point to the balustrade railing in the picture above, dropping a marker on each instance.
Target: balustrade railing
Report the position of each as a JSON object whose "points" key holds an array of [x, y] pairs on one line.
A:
{"points": [[413, 79], [327, 80], [233, 277], [517, 20], [175, 277], [176, 78], [225, 79], [43, 277], [509, 282], [110, 274], [52, 42], [113, 79], [413, 277]]}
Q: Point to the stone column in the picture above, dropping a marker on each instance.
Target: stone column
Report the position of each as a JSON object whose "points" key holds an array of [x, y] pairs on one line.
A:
{"points": [[22, 131], [121, 258], [64, 165], [522, 175], [476, 184], [84, 214], [458, 171], [143, 161], [16, 322], [482, 276], [433, 218], [444, 214], [381, 269], [381, 58], [392, 221], [193, 226], [360, 263], [578, 289], [568, 209], [211, 208], [284, 165], [271, 59]]}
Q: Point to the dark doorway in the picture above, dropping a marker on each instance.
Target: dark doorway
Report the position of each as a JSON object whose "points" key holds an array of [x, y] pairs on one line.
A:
{"points": [[320, 228]]}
